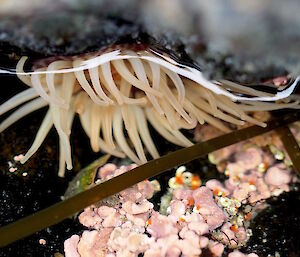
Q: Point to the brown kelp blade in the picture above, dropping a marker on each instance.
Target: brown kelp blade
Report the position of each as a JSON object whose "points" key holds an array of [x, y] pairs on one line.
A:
{"points": [[60, 211], [291, 146]]}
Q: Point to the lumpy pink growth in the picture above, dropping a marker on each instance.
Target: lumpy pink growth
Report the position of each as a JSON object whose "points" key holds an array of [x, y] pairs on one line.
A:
{"points": [[276, 176], [106, 170], [131, 227], [237, 253], [90, 218], [70, 246], [93, 243], [161, 226], [178, 208], [181, 194], [214, 184], [134, 208], [216, 248], [210, 211], [250, 158]]}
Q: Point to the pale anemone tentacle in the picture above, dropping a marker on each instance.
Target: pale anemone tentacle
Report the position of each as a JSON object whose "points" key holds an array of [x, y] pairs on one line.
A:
{"points": [[177, 83], [204, 106], [244, 90], [120, 137], [134, 136], [86, 86], [20, 69], [26, 109], [18, 99], [112, 87], [94, 75], [95, 125], [44, 129], [210, 119], [62, 162], [130, 122], [123, 90], [84, 116], [107, 127], [141, 74], [183, 141], [37, 85], [154, 76], [268, 106], [161, 129], [144, 132], [172, 100], [63, 137], [68, 85], [56, 65], [62, 120]]}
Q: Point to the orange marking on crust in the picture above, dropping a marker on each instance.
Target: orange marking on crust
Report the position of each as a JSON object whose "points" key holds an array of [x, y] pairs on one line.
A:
{"points": [[179, 180], [216, 191], [191, 201], [234, 228], [248, 216], [236, 178], [195, 186], [196, 178], [196, 182]]}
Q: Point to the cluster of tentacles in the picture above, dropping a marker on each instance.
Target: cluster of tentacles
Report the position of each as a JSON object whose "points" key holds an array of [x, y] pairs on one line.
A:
{"points": [[126, 93]]}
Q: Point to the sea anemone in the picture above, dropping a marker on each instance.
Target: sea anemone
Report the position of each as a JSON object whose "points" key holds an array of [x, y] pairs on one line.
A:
{"points": [[128, 87]]}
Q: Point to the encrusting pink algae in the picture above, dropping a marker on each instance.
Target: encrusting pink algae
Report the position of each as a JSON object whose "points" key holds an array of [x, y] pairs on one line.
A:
{"points": [[192, 217]]}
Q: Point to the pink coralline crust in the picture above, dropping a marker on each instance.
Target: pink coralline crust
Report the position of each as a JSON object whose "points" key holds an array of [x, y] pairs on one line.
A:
{"points": [[249, 158], [161, 226], [182, 194], [237, 253], [189, 247], [105, 211], [201, 228], [113, 220], [277, 176], [245, 181], [232, 238], [153, 253], [228, 234], [138, 219], [132, 227], [203, 241], [178, 208], [242, 191], [70, 246], [210, 211], [124, 240], [90, 218], [133, 208], [216, 248], [93, 243], [214, 184], [121, 230], [106, 170]]}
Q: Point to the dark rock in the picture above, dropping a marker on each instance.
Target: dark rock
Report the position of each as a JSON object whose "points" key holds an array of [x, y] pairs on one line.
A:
{"points": [[277, 228]]}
